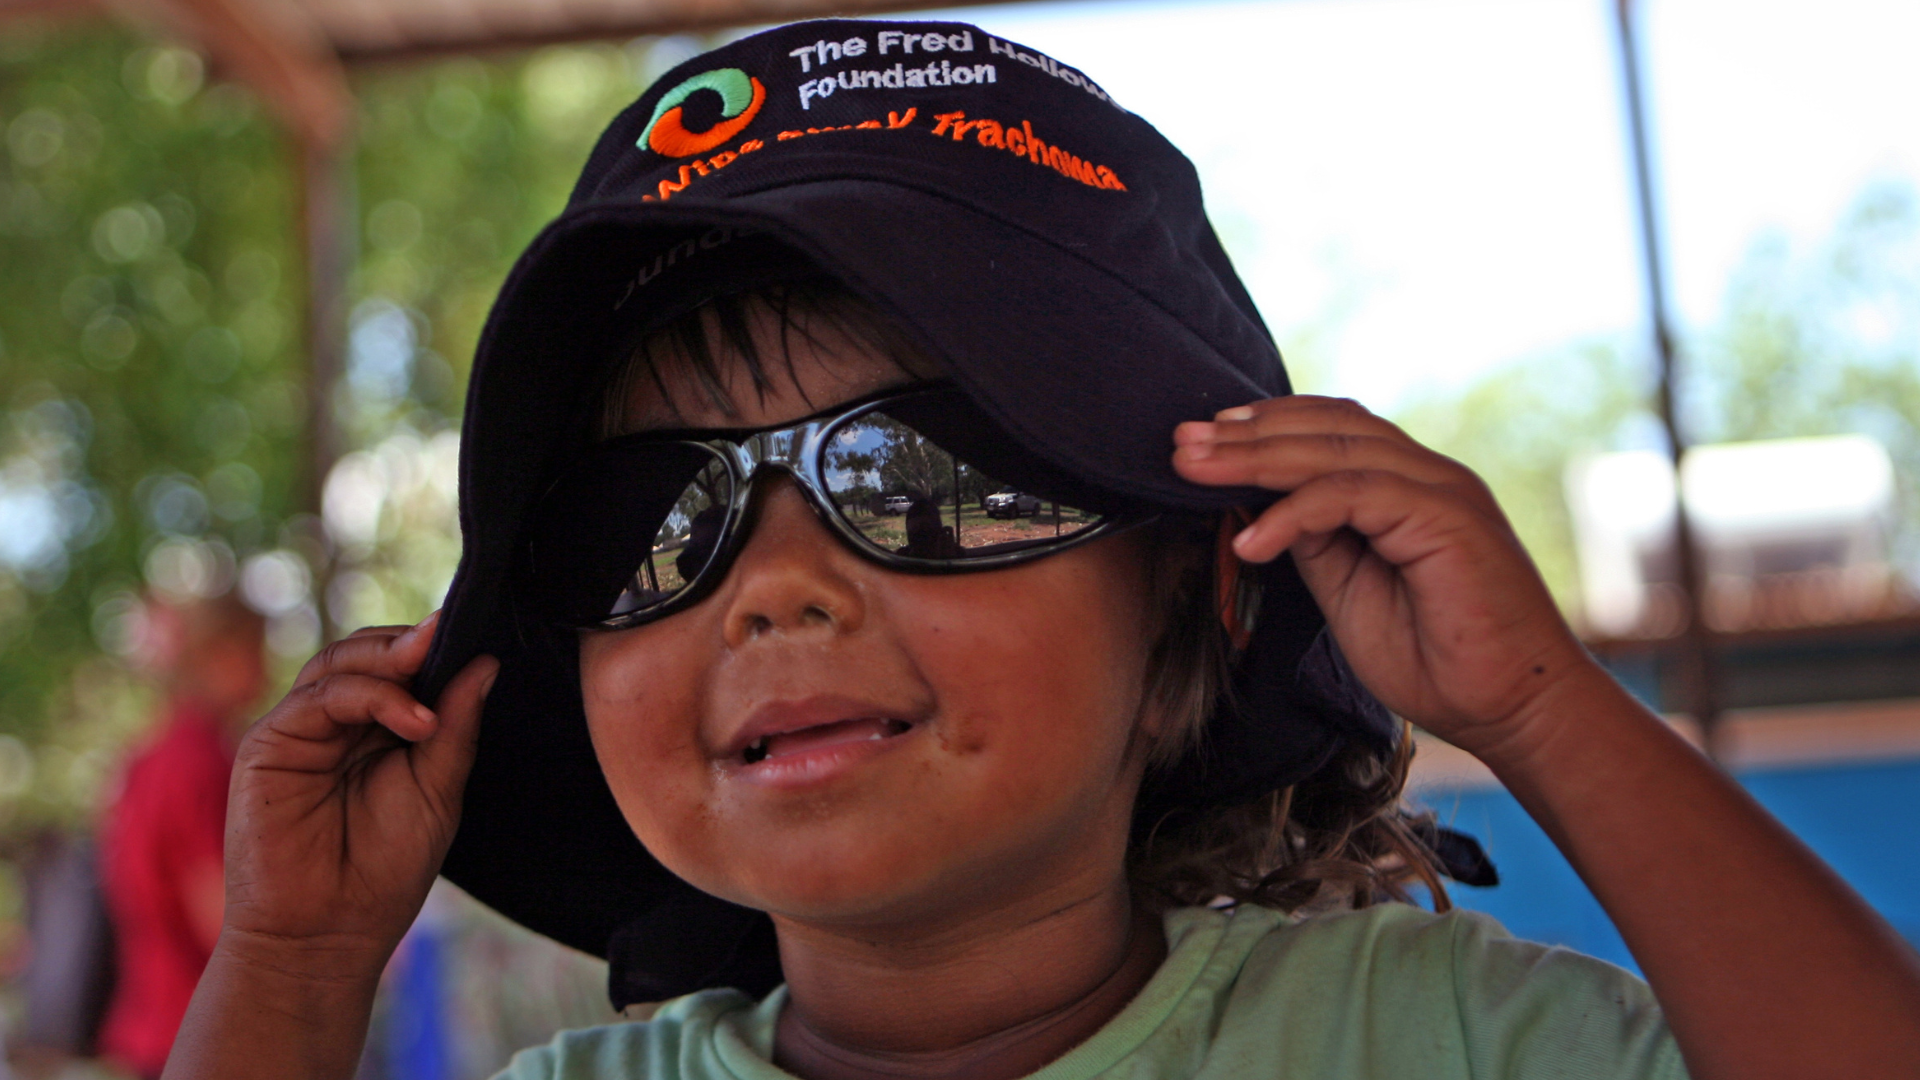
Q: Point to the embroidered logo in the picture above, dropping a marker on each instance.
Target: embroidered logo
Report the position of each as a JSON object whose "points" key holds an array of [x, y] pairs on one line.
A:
{"points": [[741, 96]]}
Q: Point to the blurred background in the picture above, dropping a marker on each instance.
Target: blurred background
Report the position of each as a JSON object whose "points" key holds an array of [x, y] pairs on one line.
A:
{"points": [[246, 248]]}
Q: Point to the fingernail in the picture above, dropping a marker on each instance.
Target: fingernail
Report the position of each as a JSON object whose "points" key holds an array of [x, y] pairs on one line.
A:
{"points": [[1238, 412], [1243, 540], [414, 631], [425, 714], [1196, 451], [1193, 431]]}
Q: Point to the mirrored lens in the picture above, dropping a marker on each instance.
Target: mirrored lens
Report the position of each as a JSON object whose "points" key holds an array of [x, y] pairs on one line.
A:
{"points": [[684, 543], [908, 494]]}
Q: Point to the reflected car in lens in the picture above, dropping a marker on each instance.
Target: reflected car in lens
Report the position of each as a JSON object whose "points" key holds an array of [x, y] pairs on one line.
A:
{"points": [[1012, 504]]}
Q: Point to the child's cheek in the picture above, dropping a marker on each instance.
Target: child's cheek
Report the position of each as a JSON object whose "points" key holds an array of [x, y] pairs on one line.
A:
{"points": [[645, 727], [1038, 672]]}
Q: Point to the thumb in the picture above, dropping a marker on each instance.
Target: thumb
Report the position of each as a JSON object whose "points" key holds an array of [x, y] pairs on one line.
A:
{"points": [[443, 760]]}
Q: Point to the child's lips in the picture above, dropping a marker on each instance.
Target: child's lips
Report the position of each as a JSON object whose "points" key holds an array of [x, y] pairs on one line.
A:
{"points": [[796, 743], [815, 755], [821, 736], [788, 717]]}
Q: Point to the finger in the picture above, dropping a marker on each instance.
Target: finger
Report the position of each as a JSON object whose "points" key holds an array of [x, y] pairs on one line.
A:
{"points": [[443, 761], [318, 710], [1285, 462], [1403, 520], [384, 652], [1293, 414]]}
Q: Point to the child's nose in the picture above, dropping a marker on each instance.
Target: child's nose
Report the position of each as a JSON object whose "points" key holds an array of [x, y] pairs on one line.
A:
{"points": [[792, 575]]}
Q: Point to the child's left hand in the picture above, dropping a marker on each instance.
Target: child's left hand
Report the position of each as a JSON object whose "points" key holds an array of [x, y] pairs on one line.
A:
{"points": [[1428, 590], [1444, 617]]}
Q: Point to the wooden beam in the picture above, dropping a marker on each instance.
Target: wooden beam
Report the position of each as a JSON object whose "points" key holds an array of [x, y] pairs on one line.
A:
{"points": [[283, 57], [48, 8], [666, 17]]}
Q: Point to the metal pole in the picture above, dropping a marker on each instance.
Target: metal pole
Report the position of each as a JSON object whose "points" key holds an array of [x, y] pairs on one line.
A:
{"points": [[1699, 674]]}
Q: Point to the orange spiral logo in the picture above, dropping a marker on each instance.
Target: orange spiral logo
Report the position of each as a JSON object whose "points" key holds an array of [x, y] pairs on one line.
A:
{"points": [[741, 96]]}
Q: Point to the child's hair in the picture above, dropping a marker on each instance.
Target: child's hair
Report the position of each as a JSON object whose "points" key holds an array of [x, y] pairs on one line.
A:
{"points": [[1341, 836], [808, 307]]}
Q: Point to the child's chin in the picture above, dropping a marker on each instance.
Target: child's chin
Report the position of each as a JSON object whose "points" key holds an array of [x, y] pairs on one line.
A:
{"points": [[830, 891]]}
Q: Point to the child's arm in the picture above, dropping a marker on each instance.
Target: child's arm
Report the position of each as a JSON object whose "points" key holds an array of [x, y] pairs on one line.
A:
{"points": [[1766, 963], [343, 802]]}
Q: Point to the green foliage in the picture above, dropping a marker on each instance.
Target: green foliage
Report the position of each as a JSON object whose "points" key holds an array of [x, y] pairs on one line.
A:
{"points": [[153, 372], [459, 164], [149, 376]]}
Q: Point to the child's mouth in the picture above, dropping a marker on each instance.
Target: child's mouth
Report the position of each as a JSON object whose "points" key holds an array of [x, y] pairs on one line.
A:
{"points": [[821, 737]]}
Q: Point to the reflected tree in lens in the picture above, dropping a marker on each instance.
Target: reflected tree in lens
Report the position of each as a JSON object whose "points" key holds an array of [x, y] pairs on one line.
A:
{"points": [[686, 540], [905, 462], [880, 464]]}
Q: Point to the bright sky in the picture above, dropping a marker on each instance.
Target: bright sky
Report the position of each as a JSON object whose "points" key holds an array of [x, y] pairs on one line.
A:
{"points": [[1444, 183]]}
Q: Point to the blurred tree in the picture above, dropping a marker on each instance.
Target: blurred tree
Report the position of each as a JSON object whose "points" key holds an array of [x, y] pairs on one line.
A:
{"points": [[152, 417], [151, 370]]}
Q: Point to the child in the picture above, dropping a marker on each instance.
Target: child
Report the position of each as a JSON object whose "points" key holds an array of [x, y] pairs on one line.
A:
{"points": [[161, 830], [1093, 793]]}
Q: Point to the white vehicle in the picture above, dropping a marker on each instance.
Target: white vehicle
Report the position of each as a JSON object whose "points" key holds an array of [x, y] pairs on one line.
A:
{"points": [[898, 504], [1012, 504]]}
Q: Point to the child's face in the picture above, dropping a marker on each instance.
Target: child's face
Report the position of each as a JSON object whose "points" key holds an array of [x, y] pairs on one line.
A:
{"points": [[945, 742]]}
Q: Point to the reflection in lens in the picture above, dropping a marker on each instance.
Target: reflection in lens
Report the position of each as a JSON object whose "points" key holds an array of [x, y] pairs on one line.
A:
{"points": [[907, 494], [684, 543]]}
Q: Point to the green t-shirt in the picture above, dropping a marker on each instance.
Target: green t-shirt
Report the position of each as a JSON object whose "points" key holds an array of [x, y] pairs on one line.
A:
{"points": [[1388, 992]]}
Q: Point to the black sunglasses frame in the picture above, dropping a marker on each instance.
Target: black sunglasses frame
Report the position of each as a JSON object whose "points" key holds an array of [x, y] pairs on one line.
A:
{"points": [[755, 456]]}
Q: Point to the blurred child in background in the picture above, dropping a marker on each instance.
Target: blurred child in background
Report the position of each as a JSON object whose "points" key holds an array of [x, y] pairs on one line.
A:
{"points": [[161, 836]]}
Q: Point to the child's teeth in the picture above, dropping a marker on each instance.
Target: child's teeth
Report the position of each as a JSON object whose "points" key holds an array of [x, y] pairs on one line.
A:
{"points": [[822, 736]]}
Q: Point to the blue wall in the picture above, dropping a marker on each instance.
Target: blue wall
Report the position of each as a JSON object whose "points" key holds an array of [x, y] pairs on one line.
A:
{"points": [[1860, 818]]}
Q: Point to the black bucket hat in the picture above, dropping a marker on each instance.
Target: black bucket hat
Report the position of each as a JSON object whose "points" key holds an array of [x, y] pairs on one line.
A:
{"points": [[1050, 247]]}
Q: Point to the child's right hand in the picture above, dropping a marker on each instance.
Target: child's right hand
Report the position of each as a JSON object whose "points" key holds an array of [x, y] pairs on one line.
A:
{"points": [[344, 800]]}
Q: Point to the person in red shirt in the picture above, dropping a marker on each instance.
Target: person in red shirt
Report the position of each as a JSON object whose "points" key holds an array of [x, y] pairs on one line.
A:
{"points": [[161, 843]]}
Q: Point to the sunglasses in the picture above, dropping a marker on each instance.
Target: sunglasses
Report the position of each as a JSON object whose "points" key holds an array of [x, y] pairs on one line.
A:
{"points": [[919, 481]]}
